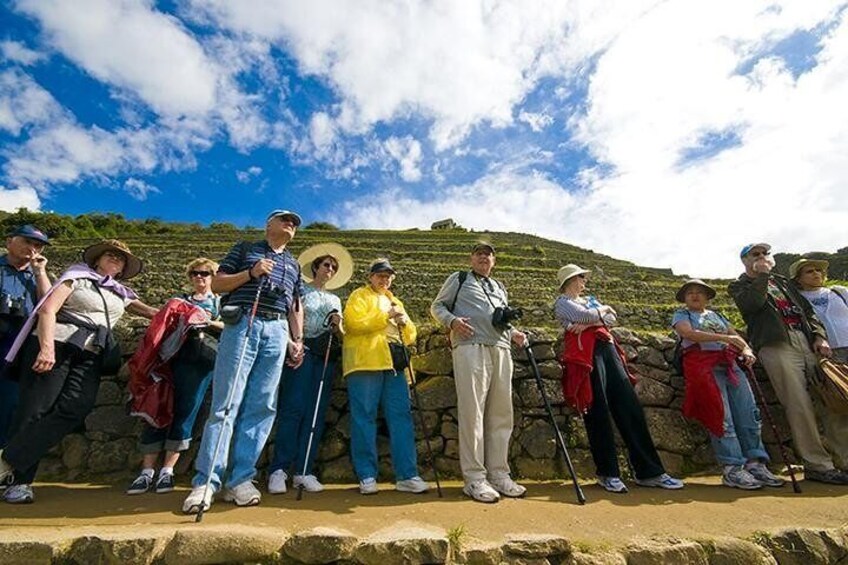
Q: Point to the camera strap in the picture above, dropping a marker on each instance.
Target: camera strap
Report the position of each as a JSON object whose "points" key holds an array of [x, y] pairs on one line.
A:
{"points": [[486, 291]]}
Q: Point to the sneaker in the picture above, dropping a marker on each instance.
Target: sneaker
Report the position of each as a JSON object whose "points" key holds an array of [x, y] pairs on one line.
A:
{"points": [[481, 491], [19, 494], [243, 494], [661, 481], [141, 484], [165, 483], [507, 487], [415, 485], [277, 482], [368, 486], [762, 474], [310, 483], [831, 476], [736, 476], [612, 484], [5, 469], [195, 500]]}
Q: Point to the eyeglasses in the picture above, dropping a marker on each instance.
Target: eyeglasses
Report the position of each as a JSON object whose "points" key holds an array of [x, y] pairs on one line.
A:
{"points": [[756, 254], [200, 273]]}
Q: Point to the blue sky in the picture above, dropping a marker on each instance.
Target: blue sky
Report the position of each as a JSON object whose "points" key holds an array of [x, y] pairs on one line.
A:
{"points": [[618, 126]]}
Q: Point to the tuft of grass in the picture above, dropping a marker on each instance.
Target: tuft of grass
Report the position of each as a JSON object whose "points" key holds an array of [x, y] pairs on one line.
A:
{"points": [[456, 538]]}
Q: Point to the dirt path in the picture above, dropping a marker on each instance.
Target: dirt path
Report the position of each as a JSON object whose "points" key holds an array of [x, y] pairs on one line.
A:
{"points": [[704, 508]]}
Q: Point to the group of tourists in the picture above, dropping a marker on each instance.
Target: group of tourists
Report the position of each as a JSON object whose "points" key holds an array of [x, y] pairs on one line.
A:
{"points": [[267, 333]]}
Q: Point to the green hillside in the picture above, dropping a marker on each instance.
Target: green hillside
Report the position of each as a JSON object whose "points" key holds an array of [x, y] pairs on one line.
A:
{"points": [[526, 264]]}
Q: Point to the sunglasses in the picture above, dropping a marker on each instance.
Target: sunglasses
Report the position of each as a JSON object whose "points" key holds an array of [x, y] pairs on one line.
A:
{"points": [[756, 254], [200, 273], [329, 265]]}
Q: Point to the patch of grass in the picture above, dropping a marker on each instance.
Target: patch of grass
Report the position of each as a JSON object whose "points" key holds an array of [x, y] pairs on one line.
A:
{"points": [[761, 537], [456, 538]]}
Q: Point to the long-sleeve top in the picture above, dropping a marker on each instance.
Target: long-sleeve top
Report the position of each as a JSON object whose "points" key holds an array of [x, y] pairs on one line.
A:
{"points": [[475, 302], [580, 311]]}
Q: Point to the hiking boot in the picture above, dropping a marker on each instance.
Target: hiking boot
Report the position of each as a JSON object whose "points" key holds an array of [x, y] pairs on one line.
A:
{"points": [[6, 470], [368, 486], [165, 483], [762, 474], [19, 494], [612, 484], [195, 500], [481, 491], [243, 494], [141, 484], [735, 476], [661, 481], [415, 485], [831, 476], [507, 487], [310, 483], [277, 482]]}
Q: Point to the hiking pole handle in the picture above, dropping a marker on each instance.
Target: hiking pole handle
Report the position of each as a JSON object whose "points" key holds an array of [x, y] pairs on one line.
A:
{"points": [[581, 498]]}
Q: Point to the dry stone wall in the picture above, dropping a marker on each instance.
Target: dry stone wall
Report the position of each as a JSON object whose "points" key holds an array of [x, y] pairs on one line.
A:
{"points": [[108, 441]]}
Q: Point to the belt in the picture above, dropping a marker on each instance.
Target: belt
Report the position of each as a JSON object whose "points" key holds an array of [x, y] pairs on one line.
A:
{"points": [[269, 315]]}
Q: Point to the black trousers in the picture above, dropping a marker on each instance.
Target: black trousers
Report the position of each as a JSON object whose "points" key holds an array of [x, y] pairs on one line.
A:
{"points": [[613, 395], [51, 406]]}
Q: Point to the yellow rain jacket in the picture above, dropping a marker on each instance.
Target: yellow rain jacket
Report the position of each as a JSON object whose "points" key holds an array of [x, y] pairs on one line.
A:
{"points": [[366, 346]]}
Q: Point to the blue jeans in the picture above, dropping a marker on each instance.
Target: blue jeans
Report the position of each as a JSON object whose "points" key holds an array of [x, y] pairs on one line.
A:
{"points": [[741, 441], [368, 390], [295, 408], [254, 401], [191, 381]]}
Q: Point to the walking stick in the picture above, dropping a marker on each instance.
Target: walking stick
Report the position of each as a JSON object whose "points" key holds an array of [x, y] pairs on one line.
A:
{"points": [[317, 405], [581, 498], [229, 404], [424, 429], [762, 398]]}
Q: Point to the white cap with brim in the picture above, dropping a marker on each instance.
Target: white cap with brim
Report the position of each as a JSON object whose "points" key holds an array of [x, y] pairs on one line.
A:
{"points": [[569, 271], [334, 250], [276, 213]]}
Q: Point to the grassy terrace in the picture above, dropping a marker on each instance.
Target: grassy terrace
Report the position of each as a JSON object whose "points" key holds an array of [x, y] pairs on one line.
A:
{"points": [[526, 264]]}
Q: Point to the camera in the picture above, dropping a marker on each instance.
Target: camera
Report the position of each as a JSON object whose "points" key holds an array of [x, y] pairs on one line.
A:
{"points": [[12, 307], [503, 316]]}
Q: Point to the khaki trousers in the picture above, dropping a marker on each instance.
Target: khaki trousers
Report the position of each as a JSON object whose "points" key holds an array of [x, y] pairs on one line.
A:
{"points": [[788, 365], [483, 376]]}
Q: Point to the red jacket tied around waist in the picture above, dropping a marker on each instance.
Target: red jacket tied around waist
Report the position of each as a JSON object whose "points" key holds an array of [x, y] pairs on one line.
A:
{"points": [[702, 399], [577, 362]]}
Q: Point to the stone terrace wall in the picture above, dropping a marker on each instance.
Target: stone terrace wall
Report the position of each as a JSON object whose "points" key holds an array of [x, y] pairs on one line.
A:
{"points": [[107, 444]]}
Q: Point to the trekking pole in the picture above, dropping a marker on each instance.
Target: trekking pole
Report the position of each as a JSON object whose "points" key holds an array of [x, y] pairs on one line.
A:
{"points": [[581, 498], [421, 420], [317, 405], [762, 398], [229, 404]]}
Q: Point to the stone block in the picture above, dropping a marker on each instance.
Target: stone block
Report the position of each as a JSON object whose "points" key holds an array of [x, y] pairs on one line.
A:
{"points": [[75, 451], [654, 393], [434, 362], [652, 357], [803, 546], [320, 545], [537, 439], [116, 549], [223, 544], [404, 543], [437, 393], [110, 393], [731, 551], [110, 456], [25, 552], [670, 431], [536, 545], [660, 552], [112, 420]]}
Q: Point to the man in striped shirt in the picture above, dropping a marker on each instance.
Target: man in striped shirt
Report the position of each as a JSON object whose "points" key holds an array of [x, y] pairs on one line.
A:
{"points": [[269, 268]]}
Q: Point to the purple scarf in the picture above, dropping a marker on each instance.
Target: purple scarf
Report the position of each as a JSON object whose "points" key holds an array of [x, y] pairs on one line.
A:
{"points": [[75, 271]]}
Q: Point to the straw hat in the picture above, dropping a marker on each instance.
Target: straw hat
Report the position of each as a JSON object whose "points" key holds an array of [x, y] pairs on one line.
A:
{"points": [[795, 267], [132, 267], [681, 293], [337, 252], [569, 271]]}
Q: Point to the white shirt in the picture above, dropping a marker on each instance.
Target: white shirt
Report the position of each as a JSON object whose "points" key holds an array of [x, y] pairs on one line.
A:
{"points": [[832, 311]]}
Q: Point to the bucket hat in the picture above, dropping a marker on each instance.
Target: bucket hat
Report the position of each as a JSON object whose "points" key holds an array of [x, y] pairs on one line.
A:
{"points": [[681, 293], [133, 264]]}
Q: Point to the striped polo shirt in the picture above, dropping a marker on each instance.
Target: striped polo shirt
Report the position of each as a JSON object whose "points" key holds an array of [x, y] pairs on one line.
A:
{"points": [[278, 289]]}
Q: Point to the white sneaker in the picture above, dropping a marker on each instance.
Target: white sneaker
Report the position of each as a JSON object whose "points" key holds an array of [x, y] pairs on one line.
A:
{"points": [[195, 500], [481, 491], [277, 482], [310, 483], [243, 494], [368, 486], [507, 487], [415, 485], [19, 494], [5, 469]]}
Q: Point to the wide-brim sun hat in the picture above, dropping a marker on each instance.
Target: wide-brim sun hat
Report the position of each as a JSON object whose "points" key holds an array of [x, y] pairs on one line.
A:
{"points": [[681, 293], [334, 250], [569, 271], [132, 267], [796, 266]]}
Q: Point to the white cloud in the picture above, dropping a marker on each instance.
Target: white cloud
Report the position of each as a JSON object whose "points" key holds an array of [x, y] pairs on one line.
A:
{"points": [[17, 52], [24, 103], [245, 177], [407, 152], [127, 43], [536, 121], [22, 197], [139, 189]]}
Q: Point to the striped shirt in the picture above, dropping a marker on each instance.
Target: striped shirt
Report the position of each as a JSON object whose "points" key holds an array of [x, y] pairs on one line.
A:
{"points": [[278, 289], [574, 311]]}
